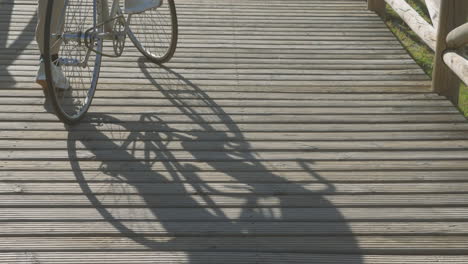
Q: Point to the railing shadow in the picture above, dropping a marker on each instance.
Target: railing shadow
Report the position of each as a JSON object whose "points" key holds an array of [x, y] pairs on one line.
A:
{"points": [[129, 150], [9, 52]]}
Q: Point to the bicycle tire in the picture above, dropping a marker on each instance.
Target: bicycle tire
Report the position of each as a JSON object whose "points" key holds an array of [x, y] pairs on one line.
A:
{"points": [[72, 104], [164, 17]]}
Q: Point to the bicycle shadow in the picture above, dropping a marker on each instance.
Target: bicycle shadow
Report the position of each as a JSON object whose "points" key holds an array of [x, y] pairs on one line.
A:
{"points": [[133, 153]]}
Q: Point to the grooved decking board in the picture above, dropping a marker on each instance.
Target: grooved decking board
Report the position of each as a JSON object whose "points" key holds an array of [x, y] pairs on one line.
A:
{"points": [[233, 166], [212, 257], [435, 134], [213, 145], [209, 228], [209, 202], [231, 188], [294, 131], [377, 244], [376, 176], [157, 155], [307, 215], [230, 130]]}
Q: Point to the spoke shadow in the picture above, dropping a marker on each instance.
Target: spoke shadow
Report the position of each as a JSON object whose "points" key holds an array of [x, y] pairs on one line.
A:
{"points": [[196, 177]]}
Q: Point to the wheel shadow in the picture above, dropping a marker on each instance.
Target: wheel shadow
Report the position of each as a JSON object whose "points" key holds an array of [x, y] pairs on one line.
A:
{"points": [[158, 162]]}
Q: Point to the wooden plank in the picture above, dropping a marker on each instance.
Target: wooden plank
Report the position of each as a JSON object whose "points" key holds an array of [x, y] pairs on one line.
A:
{"points": [[235, 165], [194, 102], [195, 130], [215, 228], [183, 257], [338, 64], [259, 79], [232, 201], [16, 94], [317, 244], [111, 72], [309, 215], [271, 176], [213, 145], [267, 116], [155, 154], [381, 135], [325, 85], [167, 188]]}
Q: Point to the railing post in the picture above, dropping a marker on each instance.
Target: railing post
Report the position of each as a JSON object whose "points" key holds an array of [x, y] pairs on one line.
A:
{"points": [[453, 13], [378, 6]]}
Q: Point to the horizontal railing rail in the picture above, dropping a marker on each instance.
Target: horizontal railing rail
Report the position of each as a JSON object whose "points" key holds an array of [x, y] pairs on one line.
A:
{"points": [[457, 39]]}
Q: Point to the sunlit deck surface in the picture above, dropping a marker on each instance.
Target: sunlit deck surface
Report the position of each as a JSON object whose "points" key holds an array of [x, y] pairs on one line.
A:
{"points": [[282, 131]]}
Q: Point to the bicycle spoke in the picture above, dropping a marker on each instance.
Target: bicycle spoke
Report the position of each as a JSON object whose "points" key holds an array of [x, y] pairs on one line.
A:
{"points": [[79, 64]]}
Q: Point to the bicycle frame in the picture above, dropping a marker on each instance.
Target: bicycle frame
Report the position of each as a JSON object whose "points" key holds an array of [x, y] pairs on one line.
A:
{"points": [[106, 15], [102, 17]]}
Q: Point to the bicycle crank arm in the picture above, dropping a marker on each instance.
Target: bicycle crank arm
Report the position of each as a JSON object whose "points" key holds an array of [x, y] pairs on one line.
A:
{"points": [[72, 62]]}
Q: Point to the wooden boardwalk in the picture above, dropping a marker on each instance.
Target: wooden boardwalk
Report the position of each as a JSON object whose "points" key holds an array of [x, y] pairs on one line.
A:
{"points": [[283, 131]]}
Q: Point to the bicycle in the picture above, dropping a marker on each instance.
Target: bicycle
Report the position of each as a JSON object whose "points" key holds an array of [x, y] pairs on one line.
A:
{"points": [[83, 28]]}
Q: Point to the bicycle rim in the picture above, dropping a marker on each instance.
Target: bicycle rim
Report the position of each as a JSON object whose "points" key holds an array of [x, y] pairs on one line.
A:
{"points": [[78, 16], [154, 32]]}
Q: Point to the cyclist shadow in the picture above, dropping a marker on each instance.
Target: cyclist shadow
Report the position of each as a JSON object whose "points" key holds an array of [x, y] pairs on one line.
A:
{"points": [[179, 157]]}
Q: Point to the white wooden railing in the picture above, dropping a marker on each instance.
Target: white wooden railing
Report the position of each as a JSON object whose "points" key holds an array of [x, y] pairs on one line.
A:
{"points": [[447, 36]]}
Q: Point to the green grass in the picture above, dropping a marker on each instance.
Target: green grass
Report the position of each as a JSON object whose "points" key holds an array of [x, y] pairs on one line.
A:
{"points": [[463, 101], [421, 53]]}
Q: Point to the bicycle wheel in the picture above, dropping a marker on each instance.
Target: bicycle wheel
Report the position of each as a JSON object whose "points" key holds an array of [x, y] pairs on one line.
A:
{"points": [[66, 37], [154, 32]]}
